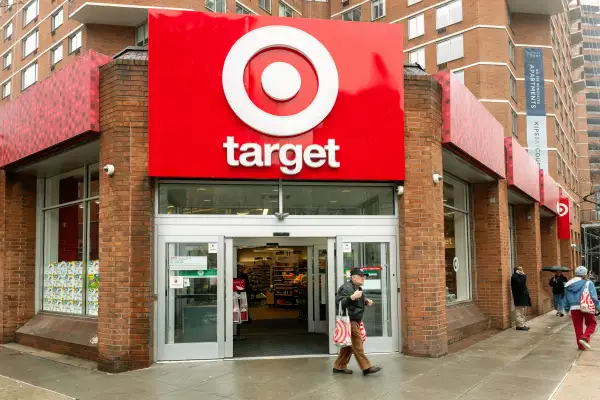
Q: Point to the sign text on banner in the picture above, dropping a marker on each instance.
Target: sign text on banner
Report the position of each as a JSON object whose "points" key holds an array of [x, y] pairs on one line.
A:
{"points": [[537, 142]]}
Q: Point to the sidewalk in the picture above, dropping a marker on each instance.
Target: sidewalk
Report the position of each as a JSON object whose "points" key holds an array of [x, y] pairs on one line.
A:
{"points": [[511, 365]]}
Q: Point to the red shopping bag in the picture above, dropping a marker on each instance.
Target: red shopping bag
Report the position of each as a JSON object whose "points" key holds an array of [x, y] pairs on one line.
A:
{"points": [[363, 332], [342, 336], [586, 304]]}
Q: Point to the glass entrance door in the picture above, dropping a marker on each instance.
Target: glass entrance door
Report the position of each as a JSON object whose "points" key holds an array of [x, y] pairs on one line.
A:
{"points": [[376, 256], [318, 296], [190, 300]]}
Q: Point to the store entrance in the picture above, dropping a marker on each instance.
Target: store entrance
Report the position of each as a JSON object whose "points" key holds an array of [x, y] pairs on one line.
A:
{"points": [[285, 290]]}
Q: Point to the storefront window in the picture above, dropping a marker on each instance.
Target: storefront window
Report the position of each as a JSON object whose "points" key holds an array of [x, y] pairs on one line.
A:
{"points": [[456, 237], [71, 239], [263, 199], [229, 199], [337, 200]]}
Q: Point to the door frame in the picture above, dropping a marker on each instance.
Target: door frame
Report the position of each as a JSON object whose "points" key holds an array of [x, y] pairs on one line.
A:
{"points": [[373, 344], [185, 351]]}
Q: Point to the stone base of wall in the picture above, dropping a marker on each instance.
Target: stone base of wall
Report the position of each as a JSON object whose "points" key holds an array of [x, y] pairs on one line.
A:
{"points": [[73, 336], [465, 320]]}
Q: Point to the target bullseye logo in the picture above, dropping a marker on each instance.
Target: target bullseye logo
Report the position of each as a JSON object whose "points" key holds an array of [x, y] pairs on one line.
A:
{"points": [[280, 81], [563, 209]]}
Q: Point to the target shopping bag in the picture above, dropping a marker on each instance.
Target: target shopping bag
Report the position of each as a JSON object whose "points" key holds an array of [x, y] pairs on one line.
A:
{"points": [[363, 332], [586, 304], [342, 336]]}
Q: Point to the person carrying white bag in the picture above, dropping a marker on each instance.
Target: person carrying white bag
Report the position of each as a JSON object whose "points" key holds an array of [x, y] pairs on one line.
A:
{"points": [[351, 303], [581, 298]]}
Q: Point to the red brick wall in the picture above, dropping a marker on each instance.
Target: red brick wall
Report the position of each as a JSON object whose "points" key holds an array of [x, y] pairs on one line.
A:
{"points": [[529, 250], [421, 224], [550, 242], [17, 253], [126, 219], [493, 252]]}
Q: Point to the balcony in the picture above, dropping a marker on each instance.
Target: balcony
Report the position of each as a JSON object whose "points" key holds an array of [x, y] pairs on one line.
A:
{"points": [[578, 86], [576, 38], [542, 7], [111, 12], [575, 14], [577, 62]]}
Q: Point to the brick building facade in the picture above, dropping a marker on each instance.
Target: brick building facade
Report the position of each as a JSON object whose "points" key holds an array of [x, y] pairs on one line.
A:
{"points": [[442, 122]]}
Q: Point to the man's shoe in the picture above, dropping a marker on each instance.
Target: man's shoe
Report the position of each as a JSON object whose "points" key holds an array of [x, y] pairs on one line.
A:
{"points": [[562, 314], [343, 371], [522, 328], [558, 313], [585, 344], [372, 370]]}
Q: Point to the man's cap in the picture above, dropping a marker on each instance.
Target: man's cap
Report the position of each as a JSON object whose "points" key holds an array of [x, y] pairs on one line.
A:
{"points": [[357, 271], [581, 271]]}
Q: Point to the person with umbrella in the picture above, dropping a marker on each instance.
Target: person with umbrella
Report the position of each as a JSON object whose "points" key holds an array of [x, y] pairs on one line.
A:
{"points": [[557, 283]]}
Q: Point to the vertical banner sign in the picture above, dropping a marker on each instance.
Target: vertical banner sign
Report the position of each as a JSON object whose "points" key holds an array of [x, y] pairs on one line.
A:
{"points": [[537, 142], [564, 219]]}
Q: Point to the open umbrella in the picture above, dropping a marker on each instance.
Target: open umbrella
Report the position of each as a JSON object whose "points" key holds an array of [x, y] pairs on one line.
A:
{"points": [[556, 268]]}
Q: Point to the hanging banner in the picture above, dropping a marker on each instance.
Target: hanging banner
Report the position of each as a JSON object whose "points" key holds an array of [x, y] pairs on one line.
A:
{"points": [[537, 143], [564, 219]]}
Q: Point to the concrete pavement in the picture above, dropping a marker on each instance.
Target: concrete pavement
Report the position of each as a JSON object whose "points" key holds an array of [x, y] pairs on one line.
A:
{"points": [[510, 365]]}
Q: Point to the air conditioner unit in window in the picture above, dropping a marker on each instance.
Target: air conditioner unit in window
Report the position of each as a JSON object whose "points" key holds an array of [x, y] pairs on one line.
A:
{"points": [[345, 3], [442, 30], [442, 66], [52, 68], [53, 32]]}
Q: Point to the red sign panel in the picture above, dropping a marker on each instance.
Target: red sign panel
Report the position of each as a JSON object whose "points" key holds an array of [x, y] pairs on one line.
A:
{"points": [[59, 108], [522, 172], [564, 219], [236, 96], [549, 192], [469, 127]]}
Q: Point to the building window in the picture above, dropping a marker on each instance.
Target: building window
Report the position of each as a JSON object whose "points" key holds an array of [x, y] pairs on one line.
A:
{"points": [[56, 54], [558, 164], [8, 30], [515, 124], [6, 89], [30, 43], [239, 9], [448, 14], [456, 239], [555, 100], [215, 5], [265, 5], [29, 76], [7, 60], [57, 19], [285, 10], [449, 50], [9, 4], [513, 87], [416, 26], [141, 35], [70, 236], [411, 2], [263, 199], [352, 15], [75, 42], [417, 57], [460, 76], [554, 64], [511, 51], [30, 12], [557, 129], [377, 9]]}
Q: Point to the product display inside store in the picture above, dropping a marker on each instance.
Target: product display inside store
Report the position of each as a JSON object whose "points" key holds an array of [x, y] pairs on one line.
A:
{"points": [[277, 290]]}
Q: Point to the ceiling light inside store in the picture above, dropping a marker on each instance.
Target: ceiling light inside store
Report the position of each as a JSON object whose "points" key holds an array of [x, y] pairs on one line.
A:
{"points": [[346, 191], [243, 213], [208, 201], [265, 211], [273, 201], [333, 201], [202, 189]]}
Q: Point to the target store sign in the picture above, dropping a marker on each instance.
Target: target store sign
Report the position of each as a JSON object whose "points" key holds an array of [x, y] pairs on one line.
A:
{"points": [[245, 97]]}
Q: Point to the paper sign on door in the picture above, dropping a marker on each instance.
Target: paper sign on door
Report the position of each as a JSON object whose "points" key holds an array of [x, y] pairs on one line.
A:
{"points": [[347, 247], [176, 282], [212, 248], [186, 282]]}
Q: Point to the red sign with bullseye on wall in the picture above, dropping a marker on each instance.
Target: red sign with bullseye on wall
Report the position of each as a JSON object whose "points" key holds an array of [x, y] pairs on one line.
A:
{"points": [[247, 97], [564, 218]]}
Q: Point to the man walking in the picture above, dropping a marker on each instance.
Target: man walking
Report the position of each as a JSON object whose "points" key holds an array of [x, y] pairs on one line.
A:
{"points": [[353, 300], [557, 283], [574, 290], [520, 292]]}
